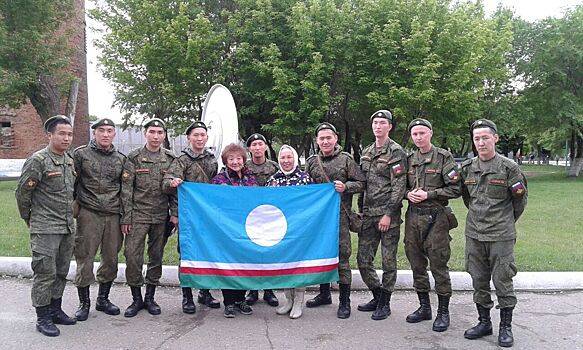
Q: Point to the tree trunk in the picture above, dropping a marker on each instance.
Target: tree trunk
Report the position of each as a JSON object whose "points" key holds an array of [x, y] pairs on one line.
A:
{"points": [[72, 101], [46, 97]]}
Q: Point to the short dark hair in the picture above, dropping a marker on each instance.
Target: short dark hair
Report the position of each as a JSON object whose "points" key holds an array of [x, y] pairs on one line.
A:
{"points": [[233, 148], [53, 126]]}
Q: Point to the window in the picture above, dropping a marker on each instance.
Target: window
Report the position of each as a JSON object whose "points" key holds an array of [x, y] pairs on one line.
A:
{"points": [[6, 135]]}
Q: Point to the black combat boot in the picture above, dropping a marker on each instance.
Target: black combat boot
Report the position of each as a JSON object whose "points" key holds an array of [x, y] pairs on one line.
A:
{"points": [[505, 337], [82, 312], [149, 303], [324, 298], [372, 304], [344, 302], [188, 306], [44, 323], [103, 303], [270, 298], [252, 297], [484, 326], [137, 303], [383, 307], [58, 315], [441, 322], [423, 312], [205, 298]]}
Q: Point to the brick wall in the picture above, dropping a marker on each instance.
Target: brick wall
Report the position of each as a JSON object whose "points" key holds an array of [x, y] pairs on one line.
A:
{"points": [[27, 133]]}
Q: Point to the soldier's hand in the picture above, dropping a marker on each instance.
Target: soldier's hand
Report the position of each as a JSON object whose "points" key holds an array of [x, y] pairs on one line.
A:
{"points": [[417, 195], [339, 186], [125, 229], [176, 182], [174, 220], [384, 223]]}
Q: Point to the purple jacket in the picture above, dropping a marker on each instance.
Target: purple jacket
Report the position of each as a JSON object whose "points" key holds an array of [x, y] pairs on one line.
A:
{"points": [[229, 177]]}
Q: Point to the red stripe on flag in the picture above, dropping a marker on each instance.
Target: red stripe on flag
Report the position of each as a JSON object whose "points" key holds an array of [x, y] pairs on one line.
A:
{"points": [[257, 273]]}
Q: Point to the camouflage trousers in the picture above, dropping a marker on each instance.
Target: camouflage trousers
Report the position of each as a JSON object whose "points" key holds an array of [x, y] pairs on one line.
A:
{"points": [[51, 256], [368, 244], [134, 253], [427, 241], [96, 230], [495, 261], [344, 251]]}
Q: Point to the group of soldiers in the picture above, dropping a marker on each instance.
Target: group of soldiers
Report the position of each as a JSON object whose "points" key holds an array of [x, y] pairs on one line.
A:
{"points": [[120, 200]]}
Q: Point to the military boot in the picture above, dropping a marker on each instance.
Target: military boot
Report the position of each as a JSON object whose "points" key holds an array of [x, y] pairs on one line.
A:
{"points": [[441, 322], [103, 303], [344, 302], [324, 298], [82, 312], [252, 297], [383, 307], [149, 303], [423, 312], [372, 304], [188, 306], [484, 326], [44, 323], [137, 303], [58, 315], [205, 298], [270, 298], [505, 337]]}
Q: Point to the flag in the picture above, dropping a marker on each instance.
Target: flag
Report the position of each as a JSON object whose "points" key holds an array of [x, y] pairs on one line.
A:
{"points": [[258, 237]]}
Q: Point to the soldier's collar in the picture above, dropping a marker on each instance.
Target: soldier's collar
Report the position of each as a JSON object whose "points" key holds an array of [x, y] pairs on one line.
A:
{"points": [[188, 151], [94, 145], [57, 159], [337, 150]]}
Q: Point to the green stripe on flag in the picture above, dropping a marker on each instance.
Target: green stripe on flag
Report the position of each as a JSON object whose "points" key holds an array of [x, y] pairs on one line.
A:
{"points": [[255, 283]]}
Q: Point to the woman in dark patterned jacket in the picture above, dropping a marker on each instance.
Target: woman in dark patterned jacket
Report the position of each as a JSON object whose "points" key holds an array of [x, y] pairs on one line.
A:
{"points": [[235, 174], [290, 174]]}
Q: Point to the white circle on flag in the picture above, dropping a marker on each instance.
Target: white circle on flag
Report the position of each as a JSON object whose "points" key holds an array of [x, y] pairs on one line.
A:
{"points": [[266, 225]]}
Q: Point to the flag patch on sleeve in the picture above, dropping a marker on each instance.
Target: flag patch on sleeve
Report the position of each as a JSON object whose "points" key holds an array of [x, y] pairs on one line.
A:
{"points": [[518, 188], [397, 169]]}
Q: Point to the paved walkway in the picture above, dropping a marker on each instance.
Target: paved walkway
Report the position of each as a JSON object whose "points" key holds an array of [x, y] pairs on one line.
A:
{"points": [[542, 321]]}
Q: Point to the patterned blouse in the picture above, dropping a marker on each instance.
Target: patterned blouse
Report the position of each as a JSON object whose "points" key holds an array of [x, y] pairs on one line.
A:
{"points": [[229, 177], [296, 178]]}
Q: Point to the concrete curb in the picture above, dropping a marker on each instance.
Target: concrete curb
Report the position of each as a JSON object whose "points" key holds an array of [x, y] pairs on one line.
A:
{"points": [[460, 281]]}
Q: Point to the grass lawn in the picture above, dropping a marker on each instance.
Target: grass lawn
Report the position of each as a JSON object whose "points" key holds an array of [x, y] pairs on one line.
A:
{"points": [[550, 232]]}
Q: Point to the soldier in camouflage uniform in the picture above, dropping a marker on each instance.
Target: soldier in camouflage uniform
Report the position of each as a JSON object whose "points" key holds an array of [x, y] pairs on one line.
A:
{"points": [[384, 164], [45, 196], [262, 168], [494, 190], [97, 193], [145, 214], [195, 164], [432, 180], [330, 164]]}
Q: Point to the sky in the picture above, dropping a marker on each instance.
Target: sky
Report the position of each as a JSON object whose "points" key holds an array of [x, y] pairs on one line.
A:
{"points": [[101, 92]]}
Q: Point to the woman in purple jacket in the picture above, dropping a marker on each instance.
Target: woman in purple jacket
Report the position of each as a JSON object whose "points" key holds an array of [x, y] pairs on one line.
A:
{"points": [[290, 174], [235, 174]]}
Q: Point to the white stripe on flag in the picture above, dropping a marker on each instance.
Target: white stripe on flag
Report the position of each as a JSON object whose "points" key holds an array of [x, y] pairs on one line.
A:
{"points": [[238, 266]]}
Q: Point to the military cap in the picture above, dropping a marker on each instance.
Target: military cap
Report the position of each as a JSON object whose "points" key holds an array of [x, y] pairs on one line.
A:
{"points": [[382, 113], [254, 137], [324, 126], [155, 122], [194, 125], [419, 121], [484, 123], [52, 120], [103, 122]]}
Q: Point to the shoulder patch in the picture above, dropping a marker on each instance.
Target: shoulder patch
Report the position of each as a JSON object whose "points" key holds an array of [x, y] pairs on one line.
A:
{"points": [[518, 188]]}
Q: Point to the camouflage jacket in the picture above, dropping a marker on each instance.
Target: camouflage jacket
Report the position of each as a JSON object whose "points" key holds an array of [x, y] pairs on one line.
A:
{"points": [[340, 166], [385, 180], [45, 193], [495, 193], [141, 187], [436, 173], [98, 185], [189, 167], [263, 171]]}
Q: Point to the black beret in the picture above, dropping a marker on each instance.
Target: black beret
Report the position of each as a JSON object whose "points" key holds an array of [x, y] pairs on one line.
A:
{"points": [[52, 120], [194, 125], [102, 122], [326, 126], [254, 137], [484, 123], [155, 122], [419, 121], [383, 113]]}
